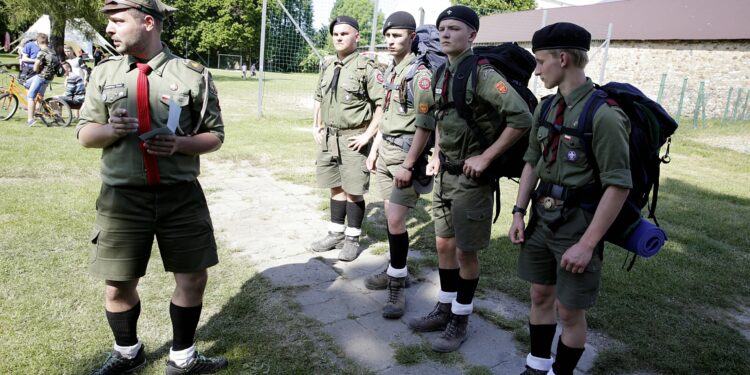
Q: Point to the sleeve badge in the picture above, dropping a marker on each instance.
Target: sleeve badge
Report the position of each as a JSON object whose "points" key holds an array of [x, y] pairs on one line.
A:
{"points": [[424, 83], [501, 87], [380, 78], [423, 108]]}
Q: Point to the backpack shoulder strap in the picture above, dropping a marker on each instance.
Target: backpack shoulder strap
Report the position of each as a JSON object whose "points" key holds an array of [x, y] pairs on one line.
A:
{"points": [[585, 128], [467, 69]]}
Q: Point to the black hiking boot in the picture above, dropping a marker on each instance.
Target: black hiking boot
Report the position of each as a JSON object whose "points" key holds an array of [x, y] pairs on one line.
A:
{"points": [[454, 335], [394, 307], [333, 240], [117, 364], [200, 364], [436, 320], [350, 250]]}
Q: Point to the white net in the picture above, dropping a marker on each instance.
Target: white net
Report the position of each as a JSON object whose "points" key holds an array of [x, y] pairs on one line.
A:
{"points": [[229, 62]]}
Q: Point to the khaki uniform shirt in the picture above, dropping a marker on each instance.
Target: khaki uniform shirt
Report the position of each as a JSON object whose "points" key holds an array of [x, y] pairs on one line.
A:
{"points": [[360, 89], [113, 86], [495, 102], [401, 116], [610, 144]]}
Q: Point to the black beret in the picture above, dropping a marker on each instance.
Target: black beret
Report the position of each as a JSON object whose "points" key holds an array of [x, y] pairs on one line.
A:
{"points": [[461, 13], [400, 20], [343, 20], [561, 35]]}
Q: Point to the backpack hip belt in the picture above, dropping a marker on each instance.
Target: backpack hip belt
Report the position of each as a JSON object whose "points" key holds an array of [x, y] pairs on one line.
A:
{"points": [[454, 167]]}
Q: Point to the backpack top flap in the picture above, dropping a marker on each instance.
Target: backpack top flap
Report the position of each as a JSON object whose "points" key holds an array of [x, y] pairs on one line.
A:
{"points": [[515, 62], [427, 48]]}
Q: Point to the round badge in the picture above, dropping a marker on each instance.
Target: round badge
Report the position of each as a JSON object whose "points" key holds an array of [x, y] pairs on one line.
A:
{"points": [[379, 78], [424, 83], [572, 156], [173, 87]]}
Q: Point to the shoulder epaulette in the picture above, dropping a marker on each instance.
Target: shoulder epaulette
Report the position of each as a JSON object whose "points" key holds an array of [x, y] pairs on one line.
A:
{"points": [[108, 59], [194, 65]]}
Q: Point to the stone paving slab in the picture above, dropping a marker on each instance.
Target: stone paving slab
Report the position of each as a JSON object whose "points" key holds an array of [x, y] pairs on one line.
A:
{"points": [[271, 223]]}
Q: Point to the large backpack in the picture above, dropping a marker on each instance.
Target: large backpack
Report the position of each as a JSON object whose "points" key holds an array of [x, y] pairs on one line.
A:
{"points": [[650, 128], [515, 64], [427, 48]]}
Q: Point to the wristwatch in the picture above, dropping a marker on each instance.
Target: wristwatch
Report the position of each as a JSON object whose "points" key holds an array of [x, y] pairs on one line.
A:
{"points": [[518, 209]]}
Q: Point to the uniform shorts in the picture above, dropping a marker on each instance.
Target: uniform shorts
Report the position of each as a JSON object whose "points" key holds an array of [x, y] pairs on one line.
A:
{"points": [[390, 158], [128, 218], [338, 165], [462, 208], [541, 253]]}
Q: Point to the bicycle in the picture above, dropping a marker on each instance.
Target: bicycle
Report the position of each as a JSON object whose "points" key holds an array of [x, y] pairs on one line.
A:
{"points": [[52, 111]]}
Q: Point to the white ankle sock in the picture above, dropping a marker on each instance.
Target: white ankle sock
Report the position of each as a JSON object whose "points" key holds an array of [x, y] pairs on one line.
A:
{"points": [[182, 358], [396, 272], [128, 352]]}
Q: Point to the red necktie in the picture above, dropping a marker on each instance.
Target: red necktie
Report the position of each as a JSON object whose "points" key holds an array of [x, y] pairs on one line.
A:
{"points": [[554, 140], [144, 122], [388, 93], [444, 89]]}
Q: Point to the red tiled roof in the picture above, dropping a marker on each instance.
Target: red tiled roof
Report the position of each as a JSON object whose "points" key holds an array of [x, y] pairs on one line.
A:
{"points": [[631, 19]]}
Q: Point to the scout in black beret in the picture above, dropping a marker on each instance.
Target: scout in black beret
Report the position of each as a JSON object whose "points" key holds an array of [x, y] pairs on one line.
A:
{"points": [[561, 35], [400, 20], [343, 20], [460, 13]]}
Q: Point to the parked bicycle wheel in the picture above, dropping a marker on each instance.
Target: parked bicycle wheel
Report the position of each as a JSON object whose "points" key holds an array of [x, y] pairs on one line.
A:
{"points": [[8, 106], [55, 112]]}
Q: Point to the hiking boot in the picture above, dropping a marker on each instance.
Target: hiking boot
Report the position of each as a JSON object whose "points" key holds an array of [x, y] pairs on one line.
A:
{"points": [[533, 371], [334, 240], [394, 307], [454, 335], [200, 364], [350, 250], [117, 364], [436, 320], [379, 281]]}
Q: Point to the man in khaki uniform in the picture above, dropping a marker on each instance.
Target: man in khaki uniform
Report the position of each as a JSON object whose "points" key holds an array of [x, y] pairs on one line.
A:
{"points": [[561, 251], [347, 110], [462, 201], [397, 155], [149, 184]]}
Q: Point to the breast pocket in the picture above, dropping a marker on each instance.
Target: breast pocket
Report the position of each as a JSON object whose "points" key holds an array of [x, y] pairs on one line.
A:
{"points": [[352, 91], [542, 135], [114, 97], [573, 150], [182, 99]]}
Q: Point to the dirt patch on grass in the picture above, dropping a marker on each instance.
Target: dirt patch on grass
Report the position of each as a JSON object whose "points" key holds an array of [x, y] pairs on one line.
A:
{"points": [[737, 142]]}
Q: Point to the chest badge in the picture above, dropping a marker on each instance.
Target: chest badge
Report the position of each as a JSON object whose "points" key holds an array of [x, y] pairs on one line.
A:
{"points": [[572, 155], [348, 97], [173, 87]]}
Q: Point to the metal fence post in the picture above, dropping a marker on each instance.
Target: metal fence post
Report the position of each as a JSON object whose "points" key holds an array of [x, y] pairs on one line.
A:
{"points": [[374, 29], [606, 52], [737, 104], [682, 97], [744, 106], [261, 68], [726, 107], [700, 102], [661, 87]]}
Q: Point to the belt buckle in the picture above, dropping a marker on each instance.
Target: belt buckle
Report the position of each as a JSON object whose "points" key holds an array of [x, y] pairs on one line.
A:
{"points": [[548, 203]]}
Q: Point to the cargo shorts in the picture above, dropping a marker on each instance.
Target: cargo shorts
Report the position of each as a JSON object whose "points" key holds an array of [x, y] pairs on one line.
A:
{"points": [[462, 208], [541, 253], [128, 218], [338, 165], [390, 158]]}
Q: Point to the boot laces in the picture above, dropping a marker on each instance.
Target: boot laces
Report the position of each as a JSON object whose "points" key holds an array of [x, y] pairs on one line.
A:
{"points": [[393, 293], [452, 329]]}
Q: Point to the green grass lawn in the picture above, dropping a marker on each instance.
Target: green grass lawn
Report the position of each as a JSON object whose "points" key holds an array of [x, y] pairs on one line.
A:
{"points": [[670, 313]]}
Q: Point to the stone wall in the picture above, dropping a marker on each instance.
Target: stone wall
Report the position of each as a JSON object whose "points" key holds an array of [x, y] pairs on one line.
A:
{"points": [[721, 64]]}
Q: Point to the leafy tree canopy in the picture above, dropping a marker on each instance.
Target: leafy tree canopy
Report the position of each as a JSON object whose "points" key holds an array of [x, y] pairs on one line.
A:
{"points": [[485, 7]]}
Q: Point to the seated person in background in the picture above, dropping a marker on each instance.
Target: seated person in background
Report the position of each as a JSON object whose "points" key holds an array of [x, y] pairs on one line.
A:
{"points": [[75, 88]]}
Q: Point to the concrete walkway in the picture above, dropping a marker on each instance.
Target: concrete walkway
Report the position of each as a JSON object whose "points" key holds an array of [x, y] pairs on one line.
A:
{"points": [[271, 222]]}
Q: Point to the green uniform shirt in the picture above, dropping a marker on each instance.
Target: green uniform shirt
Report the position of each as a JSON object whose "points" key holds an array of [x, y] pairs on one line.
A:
{"points": [[494, 101], [113, 86], [610, 146], [359, 90], [401, 116]]}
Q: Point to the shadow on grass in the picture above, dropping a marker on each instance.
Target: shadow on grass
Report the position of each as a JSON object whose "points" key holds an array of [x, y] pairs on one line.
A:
{"points": [[666, 311]]}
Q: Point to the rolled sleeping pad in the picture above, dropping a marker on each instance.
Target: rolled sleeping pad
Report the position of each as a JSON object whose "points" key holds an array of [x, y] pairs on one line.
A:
{"points": [[645, 240]]}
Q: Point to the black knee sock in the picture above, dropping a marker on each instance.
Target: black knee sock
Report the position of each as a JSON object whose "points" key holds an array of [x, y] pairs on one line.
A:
{"points": [[466, 289], [184, 322], [566, 359], [542, 336], [355, 213], [448, 279], [399, 244], [124, 324], [338, 211]]}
